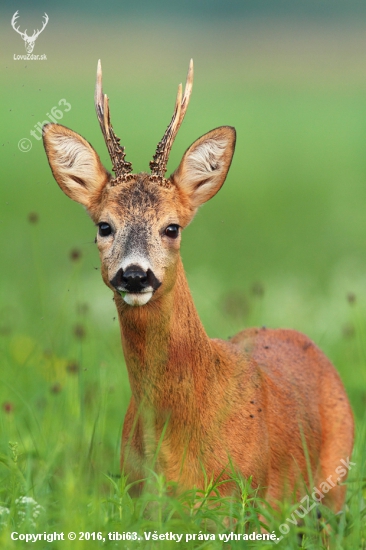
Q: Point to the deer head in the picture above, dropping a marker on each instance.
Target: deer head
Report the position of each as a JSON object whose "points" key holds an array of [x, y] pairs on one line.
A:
{"points": [[29, 40], [139, 216]]}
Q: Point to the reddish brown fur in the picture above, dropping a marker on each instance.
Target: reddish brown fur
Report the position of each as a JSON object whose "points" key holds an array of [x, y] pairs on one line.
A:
{"points": [[258, 400], [249, 400]]}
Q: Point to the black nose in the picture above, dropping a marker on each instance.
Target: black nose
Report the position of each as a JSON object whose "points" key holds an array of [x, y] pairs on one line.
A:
{"points": [[134, 279]]}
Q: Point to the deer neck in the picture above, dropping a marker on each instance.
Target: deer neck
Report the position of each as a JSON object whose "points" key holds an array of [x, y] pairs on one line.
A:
{"points": [[165, 345]]}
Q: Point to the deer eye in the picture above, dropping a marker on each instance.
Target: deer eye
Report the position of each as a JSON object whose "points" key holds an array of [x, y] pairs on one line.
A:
{"points": [[172, 231], [104, 229]]}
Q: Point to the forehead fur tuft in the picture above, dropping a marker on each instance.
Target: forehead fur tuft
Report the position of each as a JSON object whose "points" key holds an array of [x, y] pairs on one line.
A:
{"points": [[155, 179]]}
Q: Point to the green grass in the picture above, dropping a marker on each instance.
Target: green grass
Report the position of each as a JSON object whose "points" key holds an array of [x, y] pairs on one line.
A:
{"points": [[283, 244]]}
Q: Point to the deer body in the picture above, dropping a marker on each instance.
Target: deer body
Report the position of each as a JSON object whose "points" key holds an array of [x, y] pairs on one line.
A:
{"points": [[260, 401], [248, 400]]}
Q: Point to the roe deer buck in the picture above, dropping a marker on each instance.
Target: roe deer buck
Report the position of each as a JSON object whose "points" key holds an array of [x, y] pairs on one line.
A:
{"points": [[263, 399]]}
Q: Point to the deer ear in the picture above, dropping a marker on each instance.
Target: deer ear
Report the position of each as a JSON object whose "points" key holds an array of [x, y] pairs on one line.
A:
{"points": [[205, 164], [75, 165]]}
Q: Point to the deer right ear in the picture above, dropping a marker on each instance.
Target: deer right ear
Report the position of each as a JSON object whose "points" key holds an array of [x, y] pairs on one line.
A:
{"points": [[205, 164], [75, 165]]}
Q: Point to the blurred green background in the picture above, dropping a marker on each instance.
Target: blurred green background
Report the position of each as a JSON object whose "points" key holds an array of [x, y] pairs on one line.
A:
{"points": [[282, 244]]}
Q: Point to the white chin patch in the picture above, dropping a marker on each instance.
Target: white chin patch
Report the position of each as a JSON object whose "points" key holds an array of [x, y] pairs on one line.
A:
{"points": [[139, 299]]}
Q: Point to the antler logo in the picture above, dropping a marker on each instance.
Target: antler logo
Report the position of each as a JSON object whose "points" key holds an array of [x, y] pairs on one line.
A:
{"points": [[29, 41]]}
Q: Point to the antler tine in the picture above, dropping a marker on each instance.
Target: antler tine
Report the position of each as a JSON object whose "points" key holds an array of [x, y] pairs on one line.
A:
{"points": [[160, 159], [44, 23], [13, 21], [116, 151]]}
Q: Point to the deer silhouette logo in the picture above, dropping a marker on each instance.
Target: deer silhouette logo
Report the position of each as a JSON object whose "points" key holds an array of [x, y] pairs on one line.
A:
{"points": [[29, 41]]}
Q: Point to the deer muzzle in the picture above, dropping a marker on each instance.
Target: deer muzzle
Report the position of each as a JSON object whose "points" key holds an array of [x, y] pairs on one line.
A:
{"points": [[135, 285]]}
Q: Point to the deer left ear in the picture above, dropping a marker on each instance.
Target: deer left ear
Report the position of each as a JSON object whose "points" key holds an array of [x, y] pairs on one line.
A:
{"points": [[205, 164]]}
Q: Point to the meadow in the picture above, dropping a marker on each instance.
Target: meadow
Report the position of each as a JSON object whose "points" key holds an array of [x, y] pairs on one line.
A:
{"points": [[283, 244]]}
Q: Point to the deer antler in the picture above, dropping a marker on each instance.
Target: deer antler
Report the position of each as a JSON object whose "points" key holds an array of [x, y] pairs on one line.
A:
{"points": [[13, 21], [37, 33], [160, 159], [116, 151]]}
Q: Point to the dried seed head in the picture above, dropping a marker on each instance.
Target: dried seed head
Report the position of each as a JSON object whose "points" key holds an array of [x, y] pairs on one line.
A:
{"points": [[8, 407], [75, 254], [33, 217], [79, 332], [73, 367], [56, 388]]}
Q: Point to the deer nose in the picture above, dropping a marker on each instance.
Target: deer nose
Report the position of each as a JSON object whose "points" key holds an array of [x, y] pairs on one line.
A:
{"points": [[134, 279]]}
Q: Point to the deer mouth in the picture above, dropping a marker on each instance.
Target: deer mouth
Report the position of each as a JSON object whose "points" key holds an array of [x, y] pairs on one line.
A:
{"points": [[136, 298]]}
